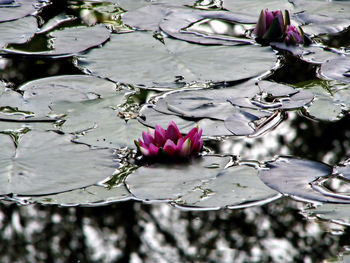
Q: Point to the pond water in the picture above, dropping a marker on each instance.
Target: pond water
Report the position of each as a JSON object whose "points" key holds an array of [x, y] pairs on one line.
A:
{"points": [[81, 80]]}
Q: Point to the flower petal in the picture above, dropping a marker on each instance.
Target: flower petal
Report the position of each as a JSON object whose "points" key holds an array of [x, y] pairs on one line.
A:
{"points": [[185, 148], [191, 133], [173, 132], [170, 148], [159, 136], [147, 138], [153, 149]]}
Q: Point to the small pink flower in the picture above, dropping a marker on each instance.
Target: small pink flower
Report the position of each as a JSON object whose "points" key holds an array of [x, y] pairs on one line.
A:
{"points": [[294, 35], [271, 25], [170, 141]]}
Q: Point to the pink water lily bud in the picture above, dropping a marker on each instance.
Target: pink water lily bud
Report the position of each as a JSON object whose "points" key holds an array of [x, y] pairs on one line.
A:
{"points": [[170, 142], [294, 35], [271, 25]]}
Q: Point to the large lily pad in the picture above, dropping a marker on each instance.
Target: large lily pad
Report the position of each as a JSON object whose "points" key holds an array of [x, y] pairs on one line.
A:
{"points": [[254, 7], [292, 177], [139, 58], [46, 163], [98, 123], [338, 213], [39, 95], [67, 41], [322, 17], [337, 69], [325, 106], [18, 31], [89, 196], [237, 185], [151, 117], [245, 109], [179, 22], [202, 183], [11, 10]]}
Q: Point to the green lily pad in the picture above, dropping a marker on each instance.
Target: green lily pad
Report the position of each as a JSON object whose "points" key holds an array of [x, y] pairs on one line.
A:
{"points": [[338, 213], [39, 95], [150, 117], [325, 106], [243, 108], [89, 196], [169, 182], [67, 41], [13, 10], [337, 69], [18, 31], [292, 177], [138, 58], [179, 22], [254, 7], [322, 17], [98, 123], [237, 185], [46, 163]]}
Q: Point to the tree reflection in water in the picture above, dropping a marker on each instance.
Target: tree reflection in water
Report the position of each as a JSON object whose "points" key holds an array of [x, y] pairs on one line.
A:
{"points": [[136, 232]]}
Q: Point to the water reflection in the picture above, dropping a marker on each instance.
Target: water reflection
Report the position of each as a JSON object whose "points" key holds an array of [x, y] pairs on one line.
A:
{"points": [[136, 232]]}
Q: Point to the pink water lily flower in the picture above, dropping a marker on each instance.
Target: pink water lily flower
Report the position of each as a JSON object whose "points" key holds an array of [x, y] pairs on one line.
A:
{"points": [[294, 35], [270, 25], [170, 142]]}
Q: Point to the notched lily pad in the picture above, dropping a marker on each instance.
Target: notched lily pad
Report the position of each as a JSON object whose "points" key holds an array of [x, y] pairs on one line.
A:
{"points": [[338, 213], [66, 42], [246, 109], [46, 163], [140, 59], [201, 183], [292, 177], [89, 196], [18, 31], [322, 17], [12, 10], [39, 95], [337, 69]]}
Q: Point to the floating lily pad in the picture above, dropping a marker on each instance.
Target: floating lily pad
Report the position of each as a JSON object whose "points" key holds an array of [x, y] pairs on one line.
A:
{"points": [[179, 22], [292, 177], [11, 10], [322, 17], [338, 213], [169, 182], [325, 106], [138, 58], [46, 163], [89, 196], [98, 123], [202, 183], [39, 95], [236, 185], [151, 117], [18, 31], [337, 69], [344, 169], [68, 41], [250, 111], [254, 7]]}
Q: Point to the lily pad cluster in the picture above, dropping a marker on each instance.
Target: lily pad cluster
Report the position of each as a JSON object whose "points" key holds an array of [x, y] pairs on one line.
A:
{"points": [[69, 139], [246, 109]]}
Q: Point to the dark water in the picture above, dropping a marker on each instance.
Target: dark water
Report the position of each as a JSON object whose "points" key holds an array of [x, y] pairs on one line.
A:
{"points": [[136, 232]]}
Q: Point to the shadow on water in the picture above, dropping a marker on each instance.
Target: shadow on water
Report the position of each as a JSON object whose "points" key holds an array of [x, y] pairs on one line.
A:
{"points": [[136, 232]]}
